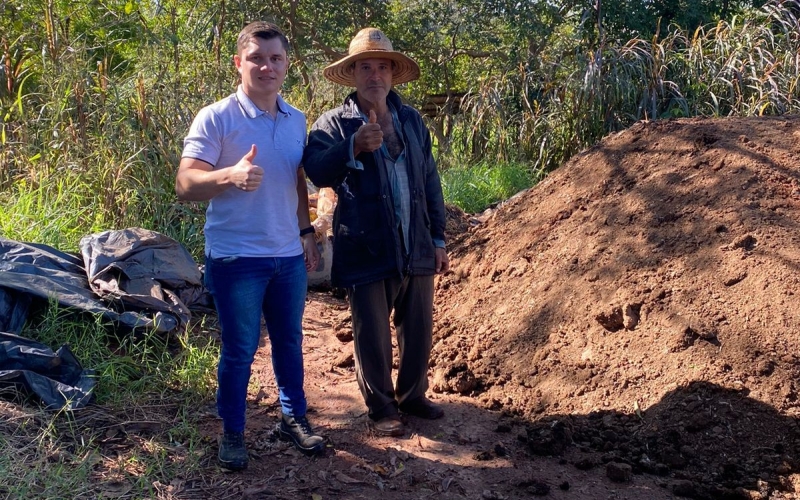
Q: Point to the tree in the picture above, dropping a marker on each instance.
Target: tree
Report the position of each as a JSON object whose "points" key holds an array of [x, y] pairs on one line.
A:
{"points": [[622, 20]]}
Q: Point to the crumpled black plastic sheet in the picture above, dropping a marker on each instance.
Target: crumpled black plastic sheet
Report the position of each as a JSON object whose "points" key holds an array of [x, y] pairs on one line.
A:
{"points": [[142, 270], [57, 378], [29, 271], [138, 279]]}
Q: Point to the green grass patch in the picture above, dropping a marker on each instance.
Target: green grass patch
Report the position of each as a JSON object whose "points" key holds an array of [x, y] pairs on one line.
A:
{"points": [[474, 188], [55, 214], [142, 428], [35, 467], [130, 365]]}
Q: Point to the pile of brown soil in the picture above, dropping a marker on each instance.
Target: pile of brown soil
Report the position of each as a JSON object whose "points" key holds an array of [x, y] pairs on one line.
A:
{"points": [[641, 305]]}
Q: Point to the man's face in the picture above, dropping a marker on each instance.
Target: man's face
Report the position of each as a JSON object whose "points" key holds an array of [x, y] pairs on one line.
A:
{"points": [[263, 65], [373, 79]]}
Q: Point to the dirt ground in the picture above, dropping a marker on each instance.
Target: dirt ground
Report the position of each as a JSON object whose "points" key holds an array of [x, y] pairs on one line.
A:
{"points": [[474, 452], [627, 329]]}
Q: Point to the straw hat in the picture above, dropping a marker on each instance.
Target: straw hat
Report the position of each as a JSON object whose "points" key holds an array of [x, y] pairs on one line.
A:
{"points": [[369, 43]]}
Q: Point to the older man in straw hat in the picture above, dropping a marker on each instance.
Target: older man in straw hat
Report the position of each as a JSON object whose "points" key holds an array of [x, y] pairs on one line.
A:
{"points": [[388, 226]]}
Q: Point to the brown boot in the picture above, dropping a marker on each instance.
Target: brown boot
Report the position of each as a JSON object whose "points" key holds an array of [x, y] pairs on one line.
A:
{"points": [[389, 426], [422, 407]]}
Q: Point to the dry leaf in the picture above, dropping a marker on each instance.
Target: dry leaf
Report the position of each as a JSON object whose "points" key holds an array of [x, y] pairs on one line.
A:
{"points": [[257, 492], [446, 484], [344, 478], [91, 459], [399, 469], [115, 489]]}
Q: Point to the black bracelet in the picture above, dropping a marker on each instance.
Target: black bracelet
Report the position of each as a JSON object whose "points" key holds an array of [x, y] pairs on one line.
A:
{"points": [[308, 230]]}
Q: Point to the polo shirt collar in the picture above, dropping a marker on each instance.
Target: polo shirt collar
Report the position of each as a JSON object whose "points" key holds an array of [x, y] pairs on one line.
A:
{"points": [[252, 110]]}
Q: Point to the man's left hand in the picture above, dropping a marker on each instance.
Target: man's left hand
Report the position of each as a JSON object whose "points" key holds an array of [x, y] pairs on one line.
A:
{"points": [[310, 252], [442, 261]]}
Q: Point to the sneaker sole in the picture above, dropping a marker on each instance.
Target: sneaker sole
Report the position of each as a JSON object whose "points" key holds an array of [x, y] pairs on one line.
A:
{"points": [[234, 466], [390, 433]]}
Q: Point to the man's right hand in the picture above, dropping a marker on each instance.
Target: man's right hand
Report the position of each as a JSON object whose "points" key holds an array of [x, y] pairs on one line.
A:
{"points": [[245, 175], [369, 136]]}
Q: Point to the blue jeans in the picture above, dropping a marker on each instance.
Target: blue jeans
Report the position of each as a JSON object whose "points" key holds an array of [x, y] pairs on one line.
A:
{"points": [[244, 288]]}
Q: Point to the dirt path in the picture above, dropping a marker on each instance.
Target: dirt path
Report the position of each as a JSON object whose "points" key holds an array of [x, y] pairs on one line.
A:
{"points": [[472, 452]]}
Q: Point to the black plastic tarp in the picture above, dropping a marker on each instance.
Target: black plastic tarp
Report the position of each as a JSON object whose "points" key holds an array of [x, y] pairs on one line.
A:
{"points": [[29, 271], [57, 378], [136, 278], [141, 270]]}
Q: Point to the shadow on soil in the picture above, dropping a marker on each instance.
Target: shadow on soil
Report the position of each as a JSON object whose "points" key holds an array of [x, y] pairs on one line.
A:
{"points": [[706, 441]]}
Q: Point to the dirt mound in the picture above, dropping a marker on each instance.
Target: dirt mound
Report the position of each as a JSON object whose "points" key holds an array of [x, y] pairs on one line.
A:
{"points": [[644, 297]]}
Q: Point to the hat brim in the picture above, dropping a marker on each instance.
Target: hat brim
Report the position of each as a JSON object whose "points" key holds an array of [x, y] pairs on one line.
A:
{"points": [[341, 72]]}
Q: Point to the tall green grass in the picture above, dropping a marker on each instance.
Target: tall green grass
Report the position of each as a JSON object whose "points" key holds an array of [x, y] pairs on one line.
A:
{"points": [[476, 187], [550, 107], [92, 136]]}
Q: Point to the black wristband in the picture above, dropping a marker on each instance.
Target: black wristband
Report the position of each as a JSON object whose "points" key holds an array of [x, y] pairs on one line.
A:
{"points": [[308, 230]]}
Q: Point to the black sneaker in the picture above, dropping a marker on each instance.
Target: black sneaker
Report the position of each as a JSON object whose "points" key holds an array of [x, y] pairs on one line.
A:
{"points": [[298, 430], [232, 451]]}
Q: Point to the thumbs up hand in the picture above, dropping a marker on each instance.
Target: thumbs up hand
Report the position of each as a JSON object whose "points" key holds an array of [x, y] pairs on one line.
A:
{"points": [[246, 175], [369, 136]]}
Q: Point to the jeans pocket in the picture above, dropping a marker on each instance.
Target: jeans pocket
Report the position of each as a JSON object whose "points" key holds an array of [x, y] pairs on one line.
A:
{"points": [[226, 260]]}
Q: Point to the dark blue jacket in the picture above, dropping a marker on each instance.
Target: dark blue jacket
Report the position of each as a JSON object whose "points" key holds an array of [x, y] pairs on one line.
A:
{"points": [[366, 245]]}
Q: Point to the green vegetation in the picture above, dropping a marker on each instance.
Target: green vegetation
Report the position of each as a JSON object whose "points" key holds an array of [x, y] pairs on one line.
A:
{"points": [[148, 390], [96, 97], [478, 186], [133, 364]]}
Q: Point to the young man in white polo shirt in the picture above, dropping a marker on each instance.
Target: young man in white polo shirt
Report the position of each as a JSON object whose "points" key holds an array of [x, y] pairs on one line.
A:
{"points": [[242, 155]]}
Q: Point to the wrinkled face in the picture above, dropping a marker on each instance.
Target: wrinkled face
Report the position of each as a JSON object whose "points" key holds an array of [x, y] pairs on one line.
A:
{"points": [[373, 78], [263, 65]]}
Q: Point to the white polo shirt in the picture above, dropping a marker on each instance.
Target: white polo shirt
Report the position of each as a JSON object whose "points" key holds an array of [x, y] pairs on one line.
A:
{"points": [[261, 223]]}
